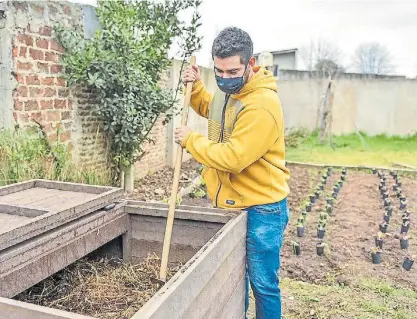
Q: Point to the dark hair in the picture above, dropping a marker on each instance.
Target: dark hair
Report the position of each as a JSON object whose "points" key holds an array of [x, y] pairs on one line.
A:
{"points": [[233, 41]]}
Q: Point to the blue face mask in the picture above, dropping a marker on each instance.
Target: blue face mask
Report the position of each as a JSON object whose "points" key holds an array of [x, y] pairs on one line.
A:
{"points": [[231, 85]]}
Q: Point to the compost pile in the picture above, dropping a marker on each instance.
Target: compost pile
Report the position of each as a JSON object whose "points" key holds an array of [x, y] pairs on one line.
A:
{"points": [[105, 288]]}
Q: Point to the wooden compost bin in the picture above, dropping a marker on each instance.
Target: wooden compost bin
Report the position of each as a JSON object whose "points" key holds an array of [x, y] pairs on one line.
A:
{"points": [[209, 285]]}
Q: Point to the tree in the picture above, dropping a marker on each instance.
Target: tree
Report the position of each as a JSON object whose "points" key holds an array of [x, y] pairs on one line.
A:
{"points": [[123, 64], [321, 54], [372, 58], [329, 67]]}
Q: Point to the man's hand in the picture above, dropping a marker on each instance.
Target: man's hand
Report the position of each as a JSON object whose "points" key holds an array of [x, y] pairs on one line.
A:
{"points": [[190, 74], [181, 133]]}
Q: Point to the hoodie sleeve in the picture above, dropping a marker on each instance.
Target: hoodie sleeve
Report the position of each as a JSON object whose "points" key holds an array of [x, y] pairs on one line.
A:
{"points": [[200, 99], [254, 133]]}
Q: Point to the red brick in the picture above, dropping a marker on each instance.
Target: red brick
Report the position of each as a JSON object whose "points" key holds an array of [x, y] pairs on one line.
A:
{"points": [[22, 52], [49, 92], [20, 78], [63, 92], [18, 106], [43, 67], [23, 117], [46, 31], [36, 116], [42, 43], [49, 56], [47, 104], [32, 80], [22, 91], [31, 106], [61, 82], [15, 51], [66, 115], [26, 39], [47, 81], [56, 46], [65, 136], [36, 92], [23, 66], [36, 54], [52, 137], [53, 116], [56, 68], [60, 104]]}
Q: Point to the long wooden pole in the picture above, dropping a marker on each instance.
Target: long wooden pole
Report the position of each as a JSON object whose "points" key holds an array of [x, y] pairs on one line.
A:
{"points": [[175, 185]]}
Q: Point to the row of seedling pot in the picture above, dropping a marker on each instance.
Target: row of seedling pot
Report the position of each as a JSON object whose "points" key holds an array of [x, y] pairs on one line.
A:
{"points": [[324, 215], [383, 227]]}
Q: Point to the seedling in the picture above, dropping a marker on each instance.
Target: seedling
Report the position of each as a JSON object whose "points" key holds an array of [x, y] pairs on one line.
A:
{"points": [[405, 227], [344, 171], [329, 209], [304, 213], [408, 262], [376, 255], [379, 240], [343, 177], [330, 200], [387, 202], [388, 209], [387, 217], [296, 247], [374, 171], [329, 171], [324, 216], [403, 204], [399, 192], [404, 242]]}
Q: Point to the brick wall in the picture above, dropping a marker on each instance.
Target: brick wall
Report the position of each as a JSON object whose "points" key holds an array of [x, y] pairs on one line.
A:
{"points": [[42, 94]]}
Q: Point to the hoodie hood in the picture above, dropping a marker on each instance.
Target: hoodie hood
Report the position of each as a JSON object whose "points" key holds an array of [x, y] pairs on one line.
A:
{"points": [[261, 79]]}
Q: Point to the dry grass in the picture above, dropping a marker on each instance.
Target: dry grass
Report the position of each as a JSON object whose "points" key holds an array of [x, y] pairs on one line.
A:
{"points": [[108, 289]]}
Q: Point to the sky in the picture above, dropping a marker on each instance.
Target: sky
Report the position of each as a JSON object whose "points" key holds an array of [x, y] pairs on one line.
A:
{"points": [[283, 24]]}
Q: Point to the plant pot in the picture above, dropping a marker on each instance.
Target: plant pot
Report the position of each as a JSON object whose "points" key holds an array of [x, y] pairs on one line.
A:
{"points": [[343, 177], [395, 187], [402, 197], [379, 242], [300, 231], [321, 233], [376, 257], [308, 208], [399, 193], [321, 187], [329, 209], [405, 228], [330, 201], [297, 249], [387, 202], [312, 199], [403, 205], [320, 250], [304, 213], [387, 218], [334, 195], [385, 195], [383, 227], [374, 171], [317, 194], [408, 263], [399, 184], [404, 243], [388, 209]]}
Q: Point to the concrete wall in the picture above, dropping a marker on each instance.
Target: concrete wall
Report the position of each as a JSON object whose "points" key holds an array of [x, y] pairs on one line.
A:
{"points": [[374, 105], [286, 61]]}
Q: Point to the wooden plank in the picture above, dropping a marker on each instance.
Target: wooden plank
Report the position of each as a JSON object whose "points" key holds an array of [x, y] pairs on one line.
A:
{"points": [[13, 309], [215, 295], [51, 220], [28, 195], [235, 308], [185, 232], [127, 242], [8, 222], [18, 187], [215, 217], [183, 207], [21, 253], [195, 275], [67, 203], [43, 266], [73, 187], [21, 210]]}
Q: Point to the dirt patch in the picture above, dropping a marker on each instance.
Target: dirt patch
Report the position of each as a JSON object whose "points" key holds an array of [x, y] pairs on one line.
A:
{"points": [[107, 289], [350, 237]]}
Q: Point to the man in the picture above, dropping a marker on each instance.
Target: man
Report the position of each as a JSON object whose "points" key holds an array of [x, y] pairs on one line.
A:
{"points": [[244, 157]]}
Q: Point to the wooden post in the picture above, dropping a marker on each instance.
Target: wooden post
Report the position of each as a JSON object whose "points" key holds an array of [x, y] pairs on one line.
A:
{"points": [[175, 184]]}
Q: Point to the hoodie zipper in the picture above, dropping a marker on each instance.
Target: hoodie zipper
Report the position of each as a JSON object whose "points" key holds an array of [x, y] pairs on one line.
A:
{"points": [[226, 100]]}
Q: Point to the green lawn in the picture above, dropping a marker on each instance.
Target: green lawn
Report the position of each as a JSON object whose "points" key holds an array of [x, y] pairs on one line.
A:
{"points": [[355, 150]]}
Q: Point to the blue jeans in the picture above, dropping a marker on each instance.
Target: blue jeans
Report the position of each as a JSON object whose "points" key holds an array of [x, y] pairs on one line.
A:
{"points": [[266, 226]]}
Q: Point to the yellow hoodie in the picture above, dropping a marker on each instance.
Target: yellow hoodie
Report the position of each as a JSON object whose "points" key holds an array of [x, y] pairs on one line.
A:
{"points": [[244, 155]]}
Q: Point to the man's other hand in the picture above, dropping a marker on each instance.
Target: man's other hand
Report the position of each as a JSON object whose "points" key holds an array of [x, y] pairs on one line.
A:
{"points": [[181, 133], [190, 74]]}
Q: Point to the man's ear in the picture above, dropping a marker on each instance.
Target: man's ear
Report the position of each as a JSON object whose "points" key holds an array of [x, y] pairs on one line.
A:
{"points": [[252, 61]]}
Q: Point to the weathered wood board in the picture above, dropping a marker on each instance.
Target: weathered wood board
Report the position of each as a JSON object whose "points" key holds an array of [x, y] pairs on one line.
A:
{"points": [[31, 208]]}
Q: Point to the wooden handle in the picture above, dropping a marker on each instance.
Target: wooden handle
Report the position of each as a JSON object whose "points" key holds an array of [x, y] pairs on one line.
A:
{"points": [[175, 183]]}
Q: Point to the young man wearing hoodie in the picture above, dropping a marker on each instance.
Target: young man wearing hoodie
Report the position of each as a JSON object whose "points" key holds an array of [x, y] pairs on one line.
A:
{"points": [[244, 157]]}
